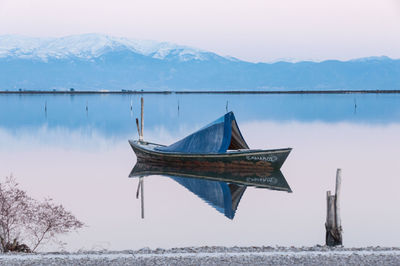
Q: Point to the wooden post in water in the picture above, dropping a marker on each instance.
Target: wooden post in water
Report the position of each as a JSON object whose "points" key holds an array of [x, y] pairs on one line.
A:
{"points": [[337, 203], [138, 128], [330, 219], [141, 118], [333, 223]]}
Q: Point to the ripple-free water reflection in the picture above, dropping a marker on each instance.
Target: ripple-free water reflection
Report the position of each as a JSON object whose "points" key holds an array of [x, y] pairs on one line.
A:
{"points": [[83, 162], [114, 115], [221, 189]]}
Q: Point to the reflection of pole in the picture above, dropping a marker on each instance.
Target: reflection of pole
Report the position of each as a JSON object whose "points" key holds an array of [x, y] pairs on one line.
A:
{"points": [[137, 191], [141, 118], [140, 190], [142, 195]]}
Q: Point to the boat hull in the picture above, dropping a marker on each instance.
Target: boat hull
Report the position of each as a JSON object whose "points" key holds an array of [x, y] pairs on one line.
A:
{"points": [[241, 160]]}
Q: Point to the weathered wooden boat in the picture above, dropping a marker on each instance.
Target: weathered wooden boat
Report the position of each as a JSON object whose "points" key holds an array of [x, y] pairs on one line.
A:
{"points": [[219, 145]]}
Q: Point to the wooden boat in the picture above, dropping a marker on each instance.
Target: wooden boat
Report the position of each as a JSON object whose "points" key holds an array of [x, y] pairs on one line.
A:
{"points": [[219, 145]]}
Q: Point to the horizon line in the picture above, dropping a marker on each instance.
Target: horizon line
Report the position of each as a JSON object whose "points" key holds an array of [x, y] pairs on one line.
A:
{"points": [[71, 92]]}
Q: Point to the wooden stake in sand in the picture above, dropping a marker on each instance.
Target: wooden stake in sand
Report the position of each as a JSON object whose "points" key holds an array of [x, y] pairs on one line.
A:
{"points": [[333, 223]]}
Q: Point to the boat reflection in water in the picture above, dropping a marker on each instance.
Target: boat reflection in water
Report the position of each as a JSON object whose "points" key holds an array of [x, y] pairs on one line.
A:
{"points": [[215, 163], [221, 188]]}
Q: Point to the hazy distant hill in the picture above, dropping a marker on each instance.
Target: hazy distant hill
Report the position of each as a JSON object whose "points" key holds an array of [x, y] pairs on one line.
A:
{"points": [[94, 62]]}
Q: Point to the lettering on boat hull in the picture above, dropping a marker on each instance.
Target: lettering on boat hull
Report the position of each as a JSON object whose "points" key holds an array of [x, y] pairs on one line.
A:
{"points": [[266, 180], [269, 158]]}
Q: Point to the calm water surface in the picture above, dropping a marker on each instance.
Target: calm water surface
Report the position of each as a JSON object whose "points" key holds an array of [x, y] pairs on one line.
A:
{"points": [[81, 158]]}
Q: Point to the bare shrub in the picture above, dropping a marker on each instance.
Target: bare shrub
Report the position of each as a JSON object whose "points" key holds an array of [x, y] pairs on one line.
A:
{"points": [[24, 219]]}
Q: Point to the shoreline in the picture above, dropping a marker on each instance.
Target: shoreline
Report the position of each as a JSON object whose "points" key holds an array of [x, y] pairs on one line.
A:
{"points": [[69, 92], [316, 255]]}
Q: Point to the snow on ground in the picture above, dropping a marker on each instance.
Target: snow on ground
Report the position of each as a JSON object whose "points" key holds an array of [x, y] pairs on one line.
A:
{"points": [[216, 256]]}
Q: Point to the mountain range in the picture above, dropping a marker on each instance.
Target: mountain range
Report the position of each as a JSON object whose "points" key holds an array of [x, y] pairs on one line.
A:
{"points": [[101, 62]]}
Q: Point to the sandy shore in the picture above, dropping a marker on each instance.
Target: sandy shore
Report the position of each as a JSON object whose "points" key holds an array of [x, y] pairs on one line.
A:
{"points": [[317, 255]]}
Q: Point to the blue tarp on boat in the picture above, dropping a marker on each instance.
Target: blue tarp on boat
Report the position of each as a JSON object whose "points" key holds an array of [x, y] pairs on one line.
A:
{"points": [[216, 137]]}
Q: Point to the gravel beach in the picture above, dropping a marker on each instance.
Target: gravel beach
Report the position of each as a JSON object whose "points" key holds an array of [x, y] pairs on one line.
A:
{"points": [[318, 255]]}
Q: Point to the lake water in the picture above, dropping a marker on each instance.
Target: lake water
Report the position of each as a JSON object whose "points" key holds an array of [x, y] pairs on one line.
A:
{"points": [[81, 158]]}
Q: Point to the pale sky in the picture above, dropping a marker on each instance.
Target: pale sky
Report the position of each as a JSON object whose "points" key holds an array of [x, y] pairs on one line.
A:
{"points": [[253, 30]]}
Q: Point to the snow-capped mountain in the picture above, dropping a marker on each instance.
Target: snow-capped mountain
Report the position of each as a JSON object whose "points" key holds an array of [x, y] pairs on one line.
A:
{"points": [[88, 46], [96, 62]]}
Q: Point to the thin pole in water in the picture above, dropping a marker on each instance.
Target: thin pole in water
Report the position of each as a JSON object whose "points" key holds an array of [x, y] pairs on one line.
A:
{"points": [[226, 106], [355, 105], [337, 203], [131, 109], [141, 118], [138, 128]]}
